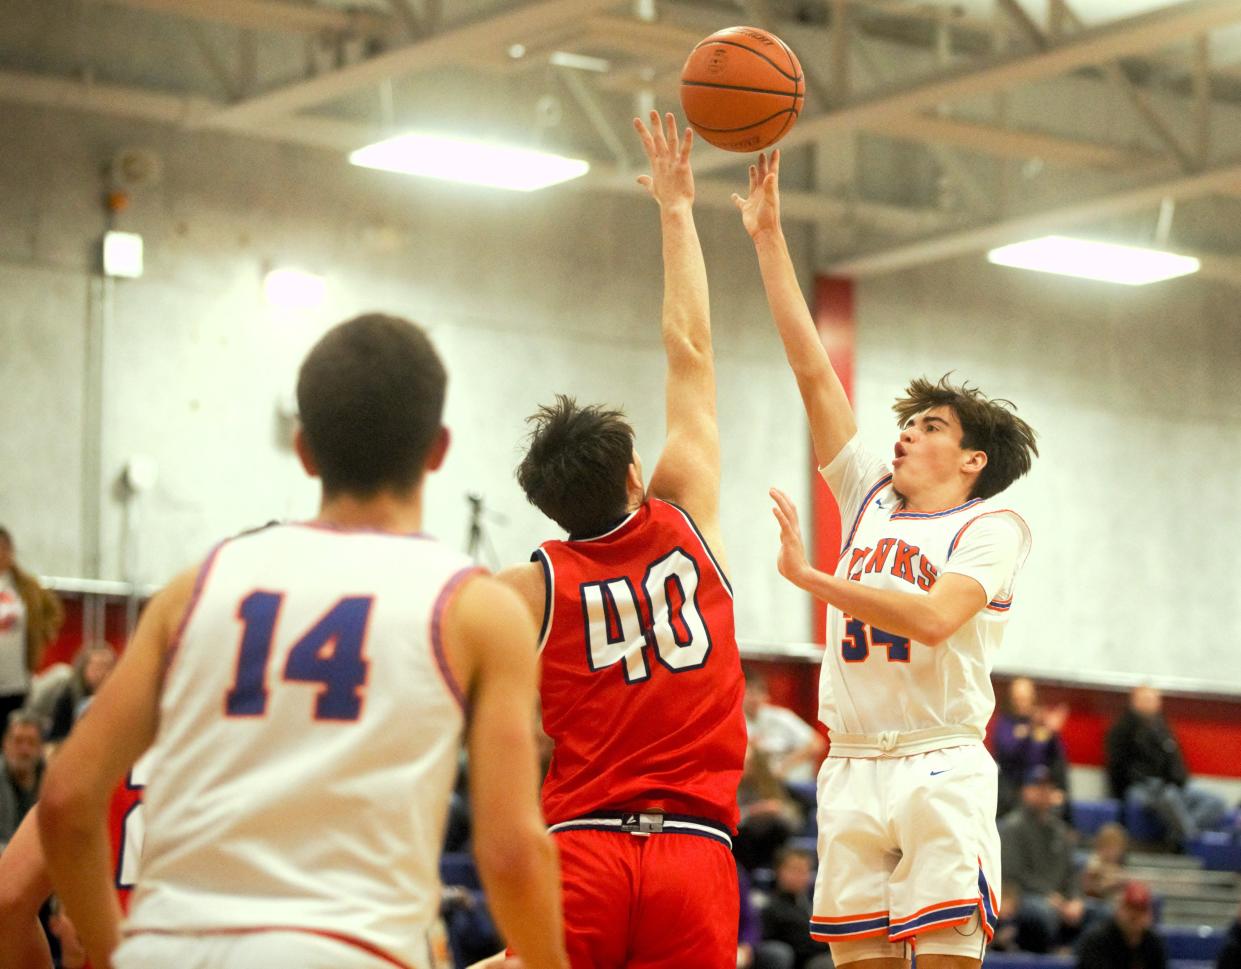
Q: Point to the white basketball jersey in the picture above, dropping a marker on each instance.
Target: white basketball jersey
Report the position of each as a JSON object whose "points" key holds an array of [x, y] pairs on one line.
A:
{"points": [[873, 681], [308, 742]]}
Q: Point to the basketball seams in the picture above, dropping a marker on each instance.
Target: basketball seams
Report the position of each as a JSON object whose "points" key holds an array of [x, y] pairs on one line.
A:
{"points": [[756, 124], [795, 78], [738, 87]]}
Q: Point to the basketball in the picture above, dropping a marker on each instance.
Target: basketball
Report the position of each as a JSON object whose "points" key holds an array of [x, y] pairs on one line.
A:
{"points": [[742, 89]]}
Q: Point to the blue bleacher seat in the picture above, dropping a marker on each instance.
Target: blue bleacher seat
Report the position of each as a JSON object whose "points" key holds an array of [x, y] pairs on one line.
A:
{"points": [[1090, 816], [1199, 942], [457, 868], [1143, 824], [1027, 960], [1218, 850]]}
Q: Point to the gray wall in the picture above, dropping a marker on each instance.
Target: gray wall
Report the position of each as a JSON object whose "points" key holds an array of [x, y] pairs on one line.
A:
{"points": [[524, 295], [1134, 393]]}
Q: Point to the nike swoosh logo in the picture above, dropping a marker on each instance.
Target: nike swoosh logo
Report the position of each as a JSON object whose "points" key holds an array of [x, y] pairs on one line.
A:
{"points": [[936, 773]]}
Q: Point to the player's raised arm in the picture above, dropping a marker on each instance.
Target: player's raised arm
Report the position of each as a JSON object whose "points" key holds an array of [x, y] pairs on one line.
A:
{"points": [[24, 887], [102, 747], [490, 632], [827, 406], [688, 470]]}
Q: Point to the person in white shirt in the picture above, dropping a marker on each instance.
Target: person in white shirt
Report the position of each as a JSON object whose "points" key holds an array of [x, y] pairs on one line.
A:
{"points": [[908, 848], [792, 747]]}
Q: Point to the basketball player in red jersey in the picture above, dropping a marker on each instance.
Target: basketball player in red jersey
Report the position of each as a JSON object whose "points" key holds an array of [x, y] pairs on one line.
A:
{"points": [[641, 681], [25, 884]]}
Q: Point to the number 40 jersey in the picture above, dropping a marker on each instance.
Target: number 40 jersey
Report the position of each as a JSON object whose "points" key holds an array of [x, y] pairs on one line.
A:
{"points": [[641, 680]]}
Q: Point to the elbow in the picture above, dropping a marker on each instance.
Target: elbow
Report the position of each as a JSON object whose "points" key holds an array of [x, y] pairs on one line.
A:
{"points": [[62, 812], [936, 629], [693, 348]]}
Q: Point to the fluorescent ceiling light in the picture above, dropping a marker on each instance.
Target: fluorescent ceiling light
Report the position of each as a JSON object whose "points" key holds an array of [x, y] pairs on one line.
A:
{"points": [[470, 161], [294, 289], [122, 254], [1130, 265], [581, 62]]}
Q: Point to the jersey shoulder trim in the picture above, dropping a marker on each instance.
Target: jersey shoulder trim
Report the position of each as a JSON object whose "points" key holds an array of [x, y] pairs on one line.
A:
{"points": [[200, 583], [857, 521], [915, 515], [446, 594], [689, 520], [549, 597]]}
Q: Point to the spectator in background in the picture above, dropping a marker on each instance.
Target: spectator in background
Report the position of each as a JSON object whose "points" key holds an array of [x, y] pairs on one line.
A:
{"points": [[30, 617], [1124, 941], [793, 748], [1025, 736], [753, 952], [1230, 954], [1104, 876], [1145, 766], [769, 815], [1037, 854], [786, 919], [91, 667], [21, 754]]}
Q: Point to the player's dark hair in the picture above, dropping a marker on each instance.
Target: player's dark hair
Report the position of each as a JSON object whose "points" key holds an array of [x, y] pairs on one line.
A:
{"points": [[576, 464], [6, 536], [370, 396], [990, 426]]}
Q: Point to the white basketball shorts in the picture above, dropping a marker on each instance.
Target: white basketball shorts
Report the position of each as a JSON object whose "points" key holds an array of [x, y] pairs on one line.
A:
{"points": [[276, 949], [908, 847]]}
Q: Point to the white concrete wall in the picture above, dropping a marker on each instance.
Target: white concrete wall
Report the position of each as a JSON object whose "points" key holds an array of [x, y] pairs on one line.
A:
{"points": [[524, 295], [1134, 393]]}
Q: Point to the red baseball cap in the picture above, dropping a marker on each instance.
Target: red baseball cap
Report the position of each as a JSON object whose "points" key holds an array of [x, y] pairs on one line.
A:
{"points": [[1137, 895]]}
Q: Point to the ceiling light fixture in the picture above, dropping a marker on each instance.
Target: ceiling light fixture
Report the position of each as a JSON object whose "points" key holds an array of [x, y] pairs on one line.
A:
{"points": [[1104, 261], [470, 161]]}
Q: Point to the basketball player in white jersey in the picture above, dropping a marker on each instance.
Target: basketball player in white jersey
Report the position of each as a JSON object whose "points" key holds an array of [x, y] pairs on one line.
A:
{"points": [[908, 849], [306, 690]]}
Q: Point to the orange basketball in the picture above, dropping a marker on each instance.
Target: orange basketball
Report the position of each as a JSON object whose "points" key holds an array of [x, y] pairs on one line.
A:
{"points": [[742, 89]]}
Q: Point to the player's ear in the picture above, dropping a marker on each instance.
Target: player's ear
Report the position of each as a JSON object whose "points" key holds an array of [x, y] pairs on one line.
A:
{"points": [[975, 461], [439, 449], [303, 453]]}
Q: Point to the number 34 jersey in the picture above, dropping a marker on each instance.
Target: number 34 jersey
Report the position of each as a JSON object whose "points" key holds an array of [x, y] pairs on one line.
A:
{"points": [[641, 680], [308, 741], [874, 681]]}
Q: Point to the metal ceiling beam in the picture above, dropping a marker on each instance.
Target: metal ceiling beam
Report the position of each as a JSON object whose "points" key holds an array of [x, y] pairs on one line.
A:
{"points": [[1009, 143], [1099, 45], [448, 47], [977, 238], [266, 15]]}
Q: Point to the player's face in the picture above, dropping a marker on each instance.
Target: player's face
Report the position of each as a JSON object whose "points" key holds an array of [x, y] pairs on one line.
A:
{"points": [[928, 451]]}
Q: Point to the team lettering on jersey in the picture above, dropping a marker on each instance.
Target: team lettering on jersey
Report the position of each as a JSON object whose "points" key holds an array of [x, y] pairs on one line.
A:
{"points": [[896, 557]]}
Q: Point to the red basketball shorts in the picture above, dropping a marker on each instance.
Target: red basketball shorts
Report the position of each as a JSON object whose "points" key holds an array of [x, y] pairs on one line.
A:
{"points": [[656, 901]]}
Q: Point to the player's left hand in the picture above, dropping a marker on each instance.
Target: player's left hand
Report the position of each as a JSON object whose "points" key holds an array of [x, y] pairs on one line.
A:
{"points": [[671, 181], [792, 561]]}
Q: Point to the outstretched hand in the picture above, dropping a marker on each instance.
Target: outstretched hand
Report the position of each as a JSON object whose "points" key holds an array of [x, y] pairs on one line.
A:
{"points": [[760, 209], [792, 561], [671, 181]]}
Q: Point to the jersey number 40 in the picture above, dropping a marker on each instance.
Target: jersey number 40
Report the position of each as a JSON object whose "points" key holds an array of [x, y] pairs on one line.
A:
{"points": [[617, 633]]}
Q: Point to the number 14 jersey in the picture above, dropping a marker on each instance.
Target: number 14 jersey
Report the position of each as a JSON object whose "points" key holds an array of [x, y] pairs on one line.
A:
{"points": [[641, 680], [874, 681]]}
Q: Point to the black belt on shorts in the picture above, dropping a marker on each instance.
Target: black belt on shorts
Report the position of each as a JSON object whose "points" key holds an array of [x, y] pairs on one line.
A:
{"points": [[641, 824]]}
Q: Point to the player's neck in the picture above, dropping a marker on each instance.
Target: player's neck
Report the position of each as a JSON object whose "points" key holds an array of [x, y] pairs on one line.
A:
{"points": [[938, 497], [384, 512]]}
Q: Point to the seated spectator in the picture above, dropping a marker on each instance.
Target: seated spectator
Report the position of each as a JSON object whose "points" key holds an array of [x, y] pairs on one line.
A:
{"points": [[93, 664], [1124, 941], [1011, 934], [1025, 736], [1145, 766], [1037, 855], [22, 761], [786, 919], [1104, 875], [752, 951], [1230, 954], [769, 815], [793, 748], [30, 617]]}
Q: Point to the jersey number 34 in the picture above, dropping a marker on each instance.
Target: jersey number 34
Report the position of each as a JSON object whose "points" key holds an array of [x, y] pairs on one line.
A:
{"points": [[617, 633]]}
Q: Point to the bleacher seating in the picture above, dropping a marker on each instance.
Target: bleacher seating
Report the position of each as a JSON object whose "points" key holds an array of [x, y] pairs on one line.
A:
{"points": [[1144, 826], [457, 868], [1090, 816], [1192, 942], [1217, 850]]}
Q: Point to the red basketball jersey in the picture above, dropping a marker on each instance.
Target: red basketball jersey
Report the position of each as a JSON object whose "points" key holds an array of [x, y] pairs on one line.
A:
{"points": [[126, 830], [641, 679]]}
